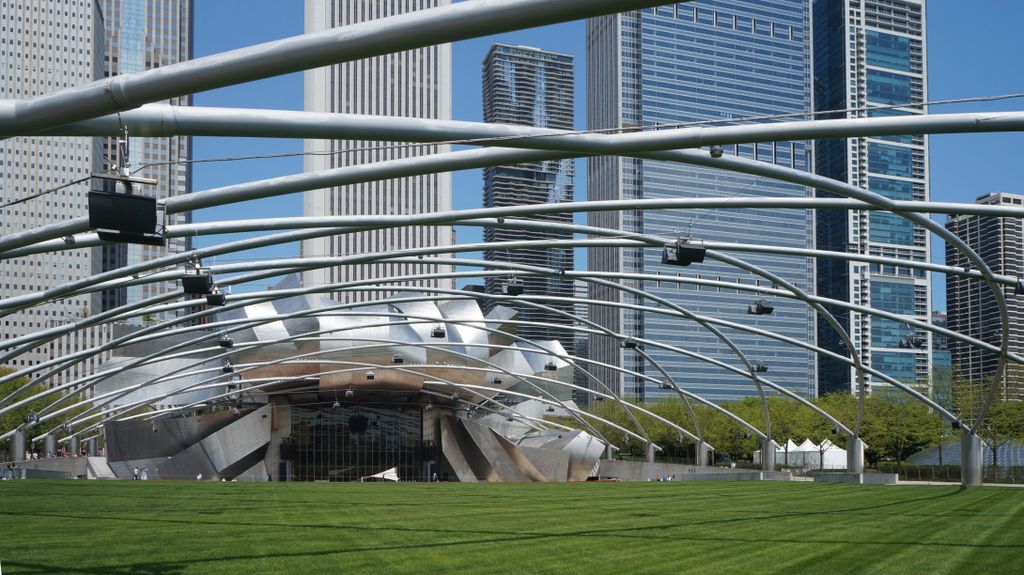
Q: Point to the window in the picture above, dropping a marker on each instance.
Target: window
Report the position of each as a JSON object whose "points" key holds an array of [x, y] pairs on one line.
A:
{"points": [[888, 51]]}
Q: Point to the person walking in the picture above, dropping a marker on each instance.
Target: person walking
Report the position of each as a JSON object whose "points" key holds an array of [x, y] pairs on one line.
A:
{"points": [[135, 473]]}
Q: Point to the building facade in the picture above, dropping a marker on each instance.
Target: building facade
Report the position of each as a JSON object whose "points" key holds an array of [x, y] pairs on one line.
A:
{"points": [[532, 87], [672, 65], [143, 35], [49, 45], [415, 84], [942, 363], [870, 58], [971, 306]]}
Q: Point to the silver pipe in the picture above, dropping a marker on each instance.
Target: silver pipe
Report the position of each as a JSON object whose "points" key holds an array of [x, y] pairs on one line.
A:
{"points": [[372, 38]]}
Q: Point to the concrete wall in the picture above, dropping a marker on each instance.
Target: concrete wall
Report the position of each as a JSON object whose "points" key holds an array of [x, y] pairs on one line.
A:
{"points": [[642, 471], [859, 478]]}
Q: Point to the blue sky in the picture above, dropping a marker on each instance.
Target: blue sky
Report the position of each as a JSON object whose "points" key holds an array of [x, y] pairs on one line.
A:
{"points": [[970, 53]]}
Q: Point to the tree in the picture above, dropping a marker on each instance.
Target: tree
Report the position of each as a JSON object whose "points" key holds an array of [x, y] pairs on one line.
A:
{"points": [[893, 429], [23, 415]]}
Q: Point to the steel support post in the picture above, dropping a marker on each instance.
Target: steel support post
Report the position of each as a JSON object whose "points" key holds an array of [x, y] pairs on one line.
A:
{"points": [[649, 452], [16, 446], [51, 445], [701, 453], [854, 455], [971, 460], [75, 446], [768, 451], [93, 447]]}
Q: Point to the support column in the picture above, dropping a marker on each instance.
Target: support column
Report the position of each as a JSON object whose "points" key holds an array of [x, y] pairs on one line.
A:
{"points": [[16, 445], [93, 447], [75, 446], [768, 449], [649, 456], [701, 453], [971, 460], [51, 445], [609, 452], [854, 455]]}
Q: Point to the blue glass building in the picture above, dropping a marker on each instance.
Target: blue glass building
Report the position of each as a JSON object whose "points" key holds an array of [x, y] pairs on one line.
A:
{"points": [[869, 60], [697, 62]]}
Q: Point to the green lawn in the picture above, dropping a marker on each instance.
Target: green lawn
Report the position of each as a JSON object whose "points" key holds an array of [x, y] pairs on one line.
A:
{"points": [[693, 527]]}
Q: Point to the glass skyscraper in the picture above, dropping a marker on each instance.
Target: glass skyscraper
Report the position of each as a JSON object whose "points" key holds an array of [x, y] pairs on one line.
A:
{"points": [[532, 87], [869, 59], [142, 35], [719, 61]]}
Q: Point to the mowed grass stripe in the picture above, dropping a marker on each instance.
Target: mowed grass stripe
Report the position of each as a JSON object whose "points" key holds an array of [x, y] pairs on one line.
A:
{"points": [[678, 527]]}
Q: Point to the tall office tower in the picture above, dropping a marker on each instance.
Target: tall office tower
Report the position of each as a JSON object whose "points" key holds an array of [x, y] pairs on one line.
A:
{"points": [[46, 47], [417, 84], [971, 307], [140, 36], [532, 87], [869, 58], [717, 61], [50, 45]]}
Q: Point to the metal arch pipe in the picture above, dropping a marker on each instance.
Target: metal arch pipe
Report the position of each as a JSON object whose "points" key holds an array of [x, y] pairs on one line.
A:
{"points": [[360, 223], [675, 387], [363, 365], [585, 143], [171, 274], [714, 331], [827, 416], [79, 383], [950, 333], [81, 387], [819, 351], [356, 41], [840, 188], [1003, 358], [858, 364], [686, 393], [729, 343], [341, 223], [165, 120], [93, 284], [785, 391]]}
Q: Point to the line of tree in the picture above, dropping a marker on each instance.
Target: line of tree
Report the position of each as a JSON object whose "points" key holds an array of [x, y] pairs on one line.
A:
{"points": [[894, 428]]}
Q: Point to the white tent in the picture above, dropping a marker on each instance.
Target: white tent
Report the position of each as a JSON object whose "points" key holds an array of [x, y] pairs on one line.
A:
{"points": [[808, 455], [386, 475]]}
